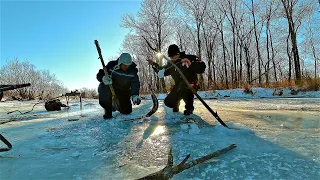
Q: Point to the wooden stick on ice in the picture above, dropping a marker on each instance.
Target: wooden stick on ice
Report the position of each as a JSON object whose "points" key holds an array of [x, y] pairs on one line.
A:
{"points": [[170, 170]]}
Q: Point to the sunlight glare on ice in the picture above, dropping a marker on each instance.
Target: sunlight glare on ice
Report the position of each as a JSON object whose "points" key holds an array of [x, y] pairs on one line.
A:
{"points": [[159, 130]]}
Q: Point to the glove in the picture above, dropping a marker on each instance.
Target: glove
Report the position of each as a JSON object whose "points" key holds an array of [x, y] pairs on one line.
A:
{"points": [[107, 80], [186, 62], [100, 75], [136, 100], [161, 73]]}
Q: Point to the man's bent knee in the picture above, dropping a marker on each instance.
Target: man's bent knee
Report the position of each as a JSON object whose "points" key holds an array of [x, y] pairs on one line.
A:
{"points": [[169, 103]]}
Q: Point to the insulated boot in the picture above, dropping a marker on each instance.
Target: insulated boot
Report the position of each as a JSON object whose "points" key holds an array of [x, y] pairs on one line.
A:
{"points": [[188, 112], [107, 115]]}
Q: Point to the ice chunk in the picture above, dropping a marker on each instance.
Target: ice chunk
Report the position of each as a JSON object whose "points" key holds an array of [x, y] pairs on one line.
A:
{"points": [[237, 126]]}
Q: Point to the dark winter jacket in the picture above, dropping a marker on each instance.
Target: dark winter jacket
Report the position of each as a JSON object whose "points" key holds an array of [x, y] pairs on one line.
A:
{"points": [[196, 67], [122, 81]]}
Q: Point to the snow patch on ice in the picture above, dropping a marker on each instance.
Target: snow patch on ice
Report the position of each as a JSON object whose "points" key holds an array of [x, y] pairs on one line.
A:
{"points": [[256, 93], [191, 128], [238, 126]]}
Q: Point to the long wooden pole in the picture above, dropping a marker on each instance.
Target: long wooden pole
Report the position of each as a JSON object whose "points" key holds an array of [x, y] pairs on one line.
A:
{"points": [[106, 73]]}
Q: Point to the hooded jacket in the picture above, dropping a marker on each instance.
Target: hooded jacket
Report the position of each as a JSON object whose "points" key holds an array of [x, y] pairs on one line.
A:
{"points": [[122, 81], [197, 67]]}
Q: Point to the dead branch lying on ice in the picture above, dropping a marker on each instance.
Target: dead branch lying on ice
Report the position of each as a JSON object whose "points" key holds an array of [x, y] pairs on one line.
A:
{"points": [[170, 170]]}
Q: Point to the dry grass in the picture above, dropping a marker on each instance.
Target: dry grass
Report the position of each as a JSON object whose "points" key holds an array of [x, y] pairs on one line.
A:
{"points": [[308, 84], [313, 84]]}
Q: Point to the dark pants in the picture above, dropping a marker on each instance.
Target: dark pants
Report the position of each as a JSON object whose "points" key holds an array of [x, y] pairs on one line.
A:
{"points": [[105, 100], [176, 95]]}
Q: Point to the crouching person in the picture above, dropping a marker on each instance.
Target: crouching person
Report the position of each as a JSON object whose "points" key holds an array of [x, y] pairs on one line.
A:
{"points": [[190, 66], [123, 76]]}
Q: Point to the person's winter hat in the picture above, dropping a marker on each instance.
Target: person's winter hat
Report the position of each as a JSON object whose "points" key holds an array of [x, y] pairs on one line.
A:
{"points": [[173, 50], [125, 58]]}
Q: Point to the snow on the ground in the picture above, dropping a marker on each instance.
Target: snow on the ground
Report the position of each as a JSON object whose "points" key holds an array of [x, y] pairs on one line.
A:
{"points": [[256, 93], [275, 138]]}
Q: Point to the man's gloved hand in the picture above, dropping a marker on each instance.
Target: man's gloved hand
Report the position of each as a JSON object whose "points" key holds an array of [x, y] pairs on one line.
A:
{"points": [[136, 100], [100, 75], [107, 80], [161, 73], [186, 62]]}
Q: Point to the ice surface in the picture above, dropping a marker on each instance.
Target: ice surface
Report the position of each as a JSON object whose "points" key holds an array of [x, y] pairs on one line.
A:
{"points": [[276, 139]]}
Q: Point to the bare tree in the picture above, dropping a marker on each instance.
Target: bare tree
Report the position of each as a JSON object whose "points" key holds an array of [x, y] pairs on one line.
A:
{"points": [[239, 40], [210, 36], [153, 24], [312, 41], [224, 52], [195, 11], [294, 13], [271, 7], [257, 36], [230, 8]]}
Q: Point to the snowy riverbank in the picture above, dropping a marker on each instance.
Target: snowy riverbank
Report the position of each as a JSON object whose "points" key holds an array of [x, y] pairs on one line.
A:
{"points": [[254, 93]]}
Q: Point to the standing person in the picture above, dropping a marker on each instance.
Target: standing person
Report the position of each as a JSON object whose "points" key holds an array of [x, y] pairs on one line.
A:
{"points": [[190, 66], [123, 76]]}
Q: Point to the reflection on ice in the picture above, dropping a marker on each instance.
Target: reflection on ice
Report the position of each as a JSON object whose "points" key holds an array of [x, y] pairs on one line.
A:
{"points": [[158, 130]]}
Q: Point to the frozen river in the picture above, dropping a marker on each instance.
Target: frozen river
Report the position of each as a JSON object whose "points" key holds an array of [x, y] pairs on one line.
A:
{"points": [[276, 139]]}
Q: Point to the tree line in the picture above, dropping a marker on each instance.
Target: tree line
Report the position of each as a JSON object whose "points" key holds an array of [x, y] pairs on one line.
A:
{"points": [[243, 42], [44, 84]]}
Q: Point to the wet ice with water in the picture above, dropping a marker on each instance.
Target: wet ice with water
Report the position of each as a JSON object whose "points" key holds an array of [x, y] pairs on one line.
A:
{"points": [[272, 143]]}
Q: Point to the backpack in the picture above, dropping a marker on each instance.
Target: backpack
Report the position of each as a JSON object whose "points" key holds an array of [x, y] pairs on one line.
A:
{"points": [[54, 105]]}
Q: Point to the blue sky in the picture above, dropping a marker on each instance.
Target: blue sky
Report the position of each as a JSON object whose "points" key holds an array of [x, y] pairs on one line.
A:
{"points": [[59, 35]]}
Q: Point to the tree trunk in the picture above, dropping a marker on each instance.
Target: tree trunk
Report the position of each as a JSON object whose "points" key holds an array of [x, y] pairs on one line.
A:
{"points": [[257, 43], [289, 57], [214, 73], [224, 58], [314, 52], [268, 52], [296, 57], [292, 32], [240, 61], [201, 80], [246, 51], [273, 57], [234, 57], [209, 74], [315, 61]]}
